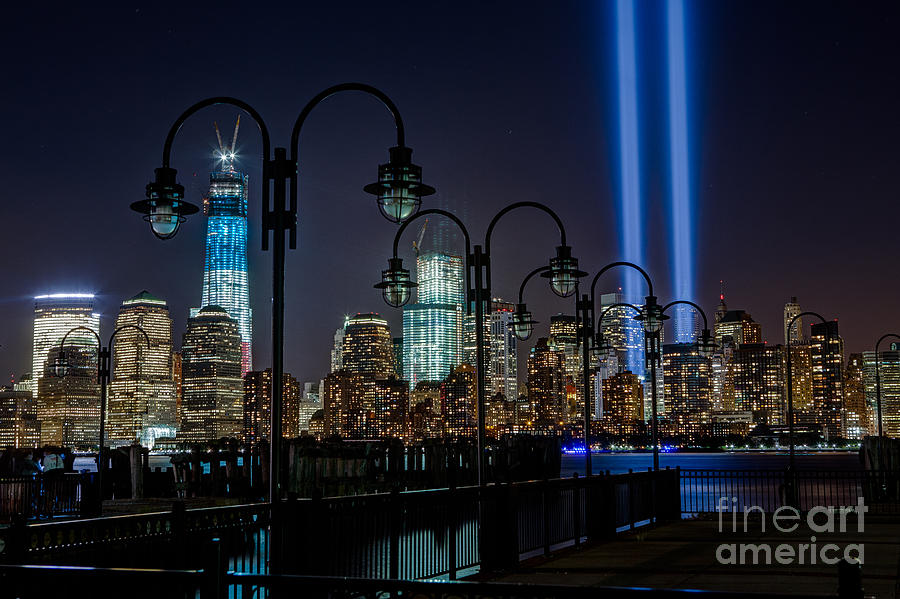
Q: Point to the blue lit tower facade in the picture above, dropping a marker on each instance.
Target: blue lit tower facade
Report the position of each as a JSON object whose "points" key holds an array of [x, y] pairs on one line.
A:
{"points": [[433, 327], [225, 276]]}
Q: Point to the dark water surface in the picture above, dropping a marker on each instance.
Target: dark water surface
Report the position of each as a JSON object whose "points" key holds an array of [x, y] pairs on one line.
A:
{"points": [[618, 463]]}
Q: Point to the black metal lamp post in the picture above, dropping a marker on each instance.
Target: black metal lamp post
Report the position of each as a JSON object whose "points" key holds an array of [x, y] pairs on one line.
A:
{"points": [[563, 274], [61, 368], [399, 191], [878, 379], [790, 383]]}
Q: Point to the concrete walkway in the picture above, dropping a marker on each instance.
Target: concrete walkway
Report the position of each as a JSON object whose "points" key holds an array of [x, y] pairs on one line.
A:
{"points": [[683, 555]]}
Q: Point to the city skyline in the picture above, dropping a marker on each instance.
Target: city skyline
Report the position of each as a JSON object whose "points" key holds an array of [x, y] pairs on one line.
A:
{"points": [[728, 117]]}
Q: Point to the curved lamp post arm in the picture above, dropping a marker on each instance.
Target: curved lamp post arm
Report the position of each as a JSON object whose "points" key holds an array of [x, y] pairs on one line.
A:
{"points": [[616, 305], [510, 208], [882, 338], [688, 303], [176, 126], [81, 328], [449, 215], [795, 319], [527, 278], [612, 265], [128, 326], [344, 87]]}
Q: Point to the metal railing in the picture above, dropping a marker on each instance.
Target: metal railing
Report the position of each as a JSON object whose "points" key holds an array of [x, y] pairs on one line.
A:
{"points": [[43, 495], [703, 490]]}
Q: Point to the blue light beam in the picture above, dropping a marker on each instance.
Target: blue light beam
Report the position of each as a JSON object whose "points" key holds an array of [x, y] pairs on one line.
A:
{"points": [[630, 204], [681, 231]]}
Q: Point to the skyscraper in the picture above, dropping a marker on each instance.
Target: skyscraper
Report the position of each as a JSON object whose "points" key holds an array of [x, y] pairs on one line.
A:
{"points": [[622, 412], [503, 365], [19, 426], [213, 390], [623, 332], [68, 407], [855, 414], [564, 339], [258, 406], [225, 275], [547, 384], [827, 349], [142, 402], [688, 387], [757, 373], [889, 374], [55, 315], [459, 404], [433, 327], [736, 327], [791, 310], [367, 347]]}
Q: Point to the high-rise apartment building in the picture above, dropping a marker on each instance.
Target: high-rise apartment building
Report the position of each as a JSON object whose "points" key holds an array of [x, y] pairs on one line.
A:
{"points": [[258, 406], [736, 327], [367, 347], [688, 388], [433, 326], [19, 426], [855, 415], [55, 315], [547, 384], [68, 407], [889, 375], [792, 310], [142, 400], [391, 408], [622, 411], [564, 339], [757, 373], [346, 411], [802, 379], [502, 374], [225, 275], [459, 403], [827, 350], [212, 406]]}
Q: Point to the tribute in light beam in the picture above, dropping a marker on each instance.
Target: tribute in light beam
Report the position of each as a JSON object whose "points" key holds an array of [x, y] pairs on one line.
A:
{"points": [[630, 205], [681, 230]]}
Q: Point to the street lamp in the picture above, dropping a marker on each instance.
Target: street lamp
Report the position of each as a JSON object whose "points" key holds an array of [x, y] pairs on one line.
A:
{"points": [[586, 309], [61, 368], [790, 383], [878, 379], [398, 191], [562, 271]]}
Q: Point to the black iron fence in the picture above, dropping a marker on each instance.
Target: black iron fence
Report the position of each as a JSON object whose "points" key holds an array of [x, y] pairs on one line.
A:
{"points": [[43, 495], [399, 535], [705, 491]]}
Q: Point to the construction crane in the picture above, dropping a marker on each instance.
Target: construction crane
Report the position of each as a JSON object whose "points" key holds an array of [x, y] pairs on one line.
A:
{"points": [[417, 244], [227, 156]]}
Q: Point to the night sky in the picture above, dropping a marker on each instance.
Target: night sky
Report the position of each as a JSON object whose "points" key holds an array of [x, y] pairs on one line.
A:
{"points": [[794, 128]]}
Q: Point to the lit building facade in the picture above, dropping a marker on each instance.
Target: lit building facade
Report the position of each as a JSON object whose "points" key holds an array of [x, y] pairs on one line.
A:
{"points": [[503, 372], [459, 403], [55, 315], [433, 327], [346, 413], [889, 374], [827, 350], [736, 327], [757, 373], [688, 388], [225, 275], [367, 347], [391, 408], [142, 399], [19, 426], [791, 310], [68, 407], [258, 406], [213, 391], [547, 385], [622, 412], [855, 415]]}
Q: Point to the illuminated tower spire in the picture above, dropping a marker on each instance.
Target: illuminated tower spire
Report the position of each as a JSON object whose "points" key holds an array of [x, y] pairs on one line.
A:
{"points": [[721, 309], [225, 276]]}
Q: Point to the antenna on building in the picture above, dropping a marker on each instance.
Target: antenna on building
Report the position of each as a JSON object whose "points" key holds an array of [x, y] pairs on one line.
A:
{"points": [[226, 155], [721, 290], [417, 244]]}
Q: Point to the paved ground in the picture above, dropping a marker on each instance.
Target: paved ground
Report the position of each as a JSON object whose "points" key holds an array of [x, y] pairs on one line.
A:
{"points": [[683, 555]]}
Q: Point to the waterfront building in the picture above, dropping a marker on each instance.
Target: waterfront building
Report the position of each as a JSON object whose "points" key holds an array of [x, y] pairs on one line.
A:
{"points": [[56, 314], [547, 384], [855, 413], [212, 406], [142, 395], [258, 406], [502, 374], [19, 426], [688, 388], [827, 350], [459, 402], [757, 373], [802, 378], [622, 412], [564, 339], [889, 372], [737, 327], [367, 347], [346, 414], [391, 408], [68, 407]]}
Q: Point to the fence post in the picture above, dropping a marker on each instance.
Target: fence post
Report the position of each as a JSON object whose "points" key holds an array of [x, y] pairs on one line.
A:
{"points": [[179, 534], [849, 580], [545, 508], [214, 572], [451, 523], [576, 510], [395, 512]]}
